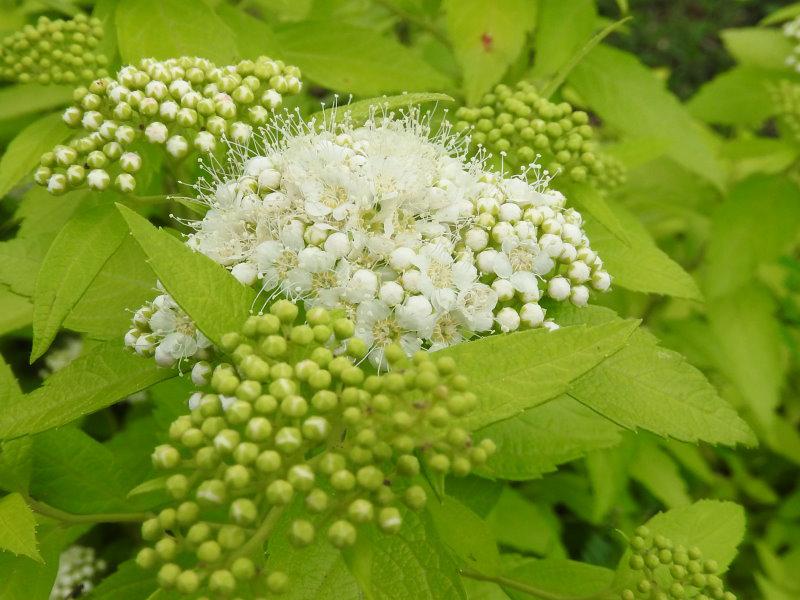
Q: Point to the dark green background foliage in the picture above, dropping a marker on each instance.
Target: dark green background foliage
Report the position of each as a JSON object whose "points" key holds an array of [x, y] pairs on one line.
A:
{"points": [[672, 401]]}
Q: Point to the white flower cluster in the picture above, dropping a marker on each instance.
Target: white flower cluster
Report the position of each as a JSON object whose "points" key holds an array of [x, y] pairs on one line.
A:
{"points": [[162, 330], [791, 29], [393, 223], [78, 569]]}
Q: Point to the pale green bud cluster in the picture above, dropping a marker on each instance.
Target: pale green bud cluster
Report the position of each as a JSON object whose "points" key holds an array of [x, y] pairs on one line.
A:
{"points": [[786, 101], [54, 52], [186, 104], [294, 418], [672, 571], [521, 125]]}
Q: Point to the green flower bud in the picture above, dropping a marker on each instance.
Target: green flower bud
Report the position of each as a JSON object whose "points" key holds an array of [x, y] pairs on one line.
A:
{"points": [[151, 529], [277, 582], [288, 440], [177, 486], [165, 457], [389, 519], [360, 511], [168, 575], [342, 534], [166, 548], [198, 533], [301, 477], [301, 532], [147, 558], [222, 581], [187, 582], [268, 461], [343, 480], [237, 476], [280, 492], [211, 492], [415, 497]]}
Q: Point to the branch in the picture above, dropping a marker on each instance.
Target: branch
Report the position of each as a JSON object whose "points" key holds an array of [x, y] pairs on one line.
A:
{"points": [[527, 589], [72, 518]]}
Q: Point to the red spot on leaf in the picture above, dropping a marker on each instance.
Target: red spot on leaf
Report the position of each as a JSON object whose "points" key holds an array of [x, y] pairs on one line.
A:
{"points": [[487, 40]]}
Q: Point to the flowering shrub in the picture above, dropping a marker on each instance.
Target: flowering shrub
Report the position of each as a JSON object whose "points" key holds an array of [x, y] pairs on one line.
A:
{"points": [[393, 301]]}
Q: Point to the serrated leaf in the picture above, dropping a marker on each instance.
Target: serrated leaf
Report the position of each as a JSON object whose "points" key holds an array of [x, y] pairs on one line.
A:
{"points": [[782, 14], [15, 311], [559, 578], [18, 527], [411, 564], [465, 533], [173, 28], [541, 438], [553, 43], [758, 46], [253, 36], [631, 99], [514, 372], [365, 62], [639, 265], [128, 582], [522, 525], [24, 152], [22, 578], [98, 378], [591, 201], [715, 527], [16, 465], [737, 248], [658, 473], [123, 285], [75, 473], [750, 347], [208, 293], [740, 96], [360, 111], [487, 37], [27, 98], [646, 386], [74, 259]]}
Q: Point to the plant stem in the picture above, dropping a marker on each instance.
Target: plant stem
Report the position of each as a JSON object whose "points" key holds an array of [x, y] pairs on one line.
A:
{"points": [[524, 587], [411, 18], [261, 534], [67, 517]]}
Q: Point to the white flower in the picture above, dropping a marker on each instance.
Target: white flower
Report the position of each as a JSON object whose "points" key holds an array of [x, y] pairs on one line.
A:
{"points": [[441, 278], [380, 327], [558, 288], [363, 286]]}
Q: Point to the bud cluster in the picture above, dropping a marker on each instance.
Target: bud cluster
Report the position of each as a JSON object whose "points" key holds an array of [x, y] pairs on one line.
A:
{"points": [[525, 127], [418, 243], [672, 571], [78, 571], [161, 329], [54, 52], [186, 104], [289, 421]]}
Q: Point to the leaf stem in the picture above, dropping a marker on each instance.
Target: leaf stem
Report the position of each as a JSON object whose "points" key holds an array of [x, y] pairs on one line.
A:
{"points": [[527, 589], [261, 534], [67, 517]]}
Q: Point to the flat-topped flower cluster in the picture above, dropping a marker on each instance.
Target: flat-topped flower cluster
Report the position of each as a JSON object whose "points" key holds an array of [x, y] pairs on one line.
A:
{"points": [[392, 222]]}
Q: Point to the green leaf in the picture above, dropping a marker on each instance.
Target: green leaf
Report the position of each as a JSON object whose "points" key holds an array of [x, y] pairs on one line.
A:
{"points": [[360, 111], [208, 293], [511, 373], [758, 47], [759, 155], [659, 474], [253, 36], [541, 438], [24, 152], [98, 378], [22, 578], [15, 311], [75, 473], [487, 37], [73, 261], [520, 524], [364, 62], [560, 577], [9, 388], [128, 582], [750, 347], [736, 248], [589, 200], [173, 28], [640, 266], [18, 527], [27, 98], [123, 285], [782, 14], [411, 564], [631, 99], [465, 533], [646, 386], [554, 43], [740, 96], [715, 527]]}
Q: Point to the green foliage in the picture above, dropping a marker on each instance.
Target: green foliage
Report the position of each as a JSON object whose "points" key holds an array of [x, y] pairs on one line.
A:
{"points": [[17, 527]]}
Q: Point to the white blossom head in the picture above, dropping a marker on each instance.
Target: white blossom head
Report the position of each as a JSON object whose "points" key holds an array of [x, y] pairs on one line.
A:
{"points": [[394, 223]]}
